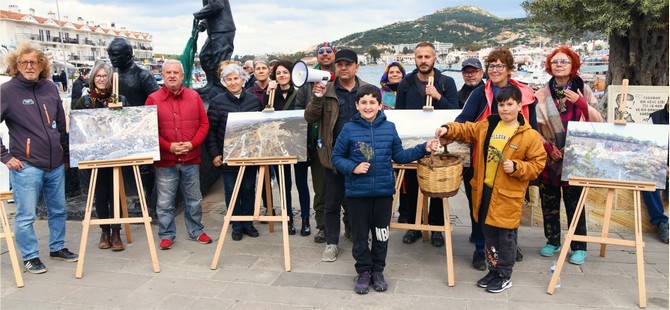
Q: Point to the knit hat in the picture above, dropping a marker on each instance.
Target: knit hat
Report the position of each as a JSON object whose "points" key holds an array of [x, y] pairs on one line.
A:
{"points": [[385, 77]]}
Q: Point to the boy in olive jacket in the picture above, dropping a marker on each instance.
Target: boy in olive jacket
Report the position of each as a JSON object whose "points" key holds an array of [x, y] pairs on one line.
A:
{"points": [[509, 154]]}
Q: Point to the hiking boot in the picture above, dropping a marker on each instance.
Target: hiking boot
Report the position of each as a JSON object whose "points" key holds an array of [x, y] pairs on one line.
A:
{"points": [[64, 254], [411, 236], [436, 239], [204, 239], [117, 244], [329, 253], [320, 236], [578, 257], [519, 255], [362, 283], [34, 265], [378, 282], [663, 231], [479, 259], [251, 231], [305, 230], [237, 234], [104, 240], [549, 249], [165, 244], [499, 284], [487, 279]]}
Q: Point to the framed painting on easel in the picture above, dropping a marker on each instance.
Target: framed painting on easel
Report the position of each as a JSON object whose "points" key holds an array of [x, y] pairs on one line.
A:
{"points": [[640, 102]]}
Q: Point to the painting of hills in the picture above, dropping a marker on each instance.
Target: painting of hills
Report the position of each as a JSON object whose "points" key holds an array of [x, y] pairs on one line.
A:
{"points": [[632, 152], [418, 126], [266, 135], [102, 134]]}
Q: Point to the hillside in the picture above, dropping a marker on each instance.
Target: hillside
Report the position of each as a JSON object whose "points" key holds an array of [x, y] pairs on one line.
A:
{"points": [[464, 26]]}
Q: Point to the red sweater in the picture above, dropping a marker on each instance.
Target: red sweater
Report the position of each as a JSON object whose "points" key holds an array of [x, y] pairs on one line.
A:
{"points": [[181, 118]]}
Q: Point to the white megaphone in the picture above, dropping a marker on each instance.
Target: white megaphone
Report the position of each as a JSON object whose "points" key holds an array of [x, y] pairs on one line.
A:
{"points": [[302, 74]]}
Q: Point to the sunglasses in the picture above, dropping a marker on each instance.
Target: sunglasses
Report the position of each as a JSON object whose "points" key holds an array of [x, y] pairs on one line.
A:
{"points": [[325, 50]]}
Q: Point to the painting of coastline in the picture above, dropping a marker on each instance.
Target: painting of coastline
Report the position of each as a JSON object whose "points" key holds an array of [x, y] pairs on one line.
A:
{"points": [[640, 102], [418, 126], [634, 152], [266, 135], [102, 134]]}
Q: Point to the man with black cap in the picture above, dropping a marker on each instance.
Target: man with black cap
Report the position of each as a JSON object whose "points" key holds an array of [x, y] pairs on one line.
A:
{"points": [[472, 76], [333, 105]]}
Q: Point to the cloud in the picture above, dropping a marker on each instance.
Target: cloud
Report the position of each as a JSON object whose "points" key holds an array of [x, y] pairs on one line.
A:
{"points": [[263, 26]]}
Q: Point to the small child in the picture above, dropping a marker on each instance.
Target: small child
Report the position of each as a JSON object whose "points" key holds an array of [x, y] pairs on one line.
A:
{"points": [[509, 154], [363, 153]]}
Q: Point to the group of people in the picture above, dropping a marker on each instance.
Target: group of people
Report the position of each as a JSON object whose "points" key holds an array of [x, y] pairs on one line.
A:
{"points": [[517, 136]]}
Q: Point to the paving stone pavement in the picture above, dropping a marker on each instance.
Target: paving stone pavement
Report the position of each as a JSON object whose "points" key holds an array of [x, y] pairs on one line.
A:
{"points": [[251, 275]]}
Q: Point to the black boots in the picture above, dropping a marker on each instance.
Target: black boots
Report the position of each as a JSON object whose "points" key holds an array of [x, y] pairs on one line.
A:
{"points": [[305, 230], [291, 227]]}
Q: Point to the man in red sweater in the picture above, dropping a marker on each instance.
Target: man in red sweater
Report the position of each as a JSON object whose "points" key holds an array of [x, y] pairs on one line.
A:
{"points": [[182, 127]]}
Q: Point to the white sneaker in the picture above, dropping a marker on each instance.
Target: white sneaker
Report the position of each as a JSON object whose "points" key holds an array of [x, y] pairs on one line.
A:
{"points": [[330, 253]]}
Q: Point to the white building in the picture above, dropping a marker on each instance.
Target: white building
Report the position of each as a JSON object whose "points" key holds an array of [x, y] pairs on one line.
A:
{"points": [[82, 41]]}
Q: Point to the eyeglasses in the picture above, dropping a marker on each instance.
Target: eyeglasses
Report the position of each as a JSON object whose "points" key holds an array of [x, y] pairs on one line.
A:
{"points": [[25, 64], [498, 67], [560, 62], [467, 73], [325, 50], [246, 67], [101, 77]]}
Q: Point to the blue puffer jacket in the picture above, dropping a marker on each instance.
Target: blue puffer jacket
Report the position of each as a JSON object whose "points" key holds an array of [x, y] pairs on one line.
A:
{"points": [[383, 137]]}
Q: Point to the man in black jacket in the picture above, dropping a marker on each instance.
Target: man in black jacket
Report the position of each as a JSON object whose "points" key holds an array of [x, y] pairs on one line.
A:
{"points": [[78, 86], [472, 77], [412, 93]]}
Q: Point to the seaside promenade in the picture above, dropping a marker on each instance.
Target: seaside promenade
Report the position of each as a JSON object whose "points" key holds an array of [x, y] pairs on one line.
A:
{"points": [[251, 273]]}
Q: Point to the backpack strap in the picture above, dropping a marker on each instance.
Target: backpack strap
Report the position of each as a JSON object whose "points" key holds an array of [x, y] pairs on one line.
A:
{"points": [[290, 99]]}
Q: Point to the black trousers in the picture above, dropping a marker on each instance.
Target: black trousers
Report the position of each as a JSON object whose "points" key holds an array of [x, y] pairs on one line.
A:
{"points": [[408, 203], [500, 243], [334, 185], [370, 216], [104, 197]]}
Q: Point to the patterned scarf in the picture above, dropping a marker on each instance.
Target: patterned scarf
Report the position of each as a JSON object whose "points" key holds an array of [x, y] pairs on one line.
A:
{"points": [[558, 91], [99, 97]]}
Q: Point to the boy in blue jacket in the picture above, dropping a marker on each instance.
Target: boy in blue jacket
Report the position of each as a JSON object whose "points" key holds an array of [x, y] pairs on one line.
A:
{"points": [[363, 153]]}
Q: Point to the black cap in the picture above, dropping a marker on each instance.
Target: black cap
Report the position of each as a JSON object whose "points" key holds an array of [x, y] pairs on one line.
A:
{"points": [[346, 55], [471, 62]]}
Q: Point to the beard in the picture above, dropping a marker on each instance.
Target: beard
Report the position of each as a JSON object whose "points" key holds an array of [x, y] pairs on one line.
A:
{"points": [[427, 71]]}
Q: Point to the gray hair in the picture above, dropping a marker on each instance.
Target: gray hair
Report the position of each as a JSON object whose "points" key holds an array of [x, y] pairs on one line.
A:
{"points": [[175, 62], [234, 69], [261, 60], [107, 67]]}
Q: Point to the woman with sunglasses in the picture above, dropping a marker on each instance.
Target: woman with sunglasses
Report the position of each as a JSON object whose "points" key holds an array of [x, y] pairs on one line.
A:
{"points": [[561, 100], [499, 65]]}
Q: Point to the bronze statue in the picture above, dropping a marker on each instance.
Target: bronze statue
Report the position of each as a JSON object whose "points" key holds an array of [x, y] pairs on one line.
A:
{"points": [[217, 18], [135, 83]]}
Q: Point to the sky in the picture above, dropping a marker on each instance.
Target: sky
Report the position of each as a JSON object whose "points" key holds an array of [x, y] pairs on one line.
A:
{"points": [[263, 26]]}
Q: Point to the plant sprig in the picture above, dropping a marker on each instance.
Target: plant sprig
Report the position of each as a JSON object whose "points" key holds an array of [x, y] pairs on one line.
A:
{"points": [[495, 155], [366, 150]]}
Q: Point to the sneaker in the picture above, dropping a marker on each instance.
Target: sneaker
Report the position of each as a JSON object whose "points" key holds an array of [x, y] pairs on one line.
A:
{"points": [[237, 234], [663, 231], [499, 284], [378, 282], [34, 265], [64, 254], [411, 236], [578, 257], [519, 255], [436, 239], [165, 244], [479, 259], [549, 249], [204, 239], [251, 231], [487, 279], [329, 253], [362, 283], [320, 236]]}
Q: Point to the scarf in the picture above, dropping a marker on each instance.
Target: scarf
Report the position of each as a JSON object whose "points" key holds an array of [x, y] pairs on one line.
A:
{"points": [[384, 81], [558, 91], [100, 97]]}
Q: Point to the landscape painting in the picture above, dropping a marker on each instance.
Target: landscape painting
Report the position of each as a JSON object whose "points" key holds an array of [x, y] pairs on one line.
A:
{"points": [[102, 134], [631, 152], [266, 135], [640, 102], [418, 126]]}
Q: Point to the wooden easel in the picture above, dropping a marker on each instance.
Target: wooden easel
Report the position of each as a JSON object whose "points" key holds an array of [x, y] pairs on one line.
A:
{"points": [[429, 99], [8, 235], [422, 213], [119, 200], [263, 172], [604, 240]]}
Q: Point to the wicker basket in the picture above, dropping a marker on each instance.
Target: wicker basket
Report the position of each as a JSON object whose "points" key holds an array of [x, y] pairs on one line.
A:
{"points": [[440, 175]]}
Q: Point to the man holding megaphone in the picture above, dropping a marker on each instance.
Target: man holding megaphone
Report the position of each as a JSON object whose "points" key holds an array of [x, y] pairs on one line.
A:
{"points": [[333, 105], [325, 57]]}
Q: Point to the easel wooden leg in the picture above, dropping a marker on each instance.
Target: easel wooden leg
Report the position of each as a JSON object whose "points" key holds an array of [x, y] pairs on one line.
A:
{"points": [[145, 215], [606, 220], [422, 212], [284, 216], [448, 245], [226, 219], [7, 234], [396, 197], [124, 209], [639, 251], [86, 223]]}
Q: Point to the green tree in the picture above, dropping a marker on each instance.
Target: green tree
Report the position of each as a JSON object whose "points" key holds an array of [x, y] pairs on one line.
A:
{"points": [[637, 31], [374, 53]]}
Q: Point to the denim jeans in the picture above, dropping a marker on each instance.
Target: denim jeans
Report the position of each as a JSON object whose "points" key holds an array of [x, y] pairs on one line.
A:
{"points": [[187, 179], [655, 207], [27, 185], [245, 198]]}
